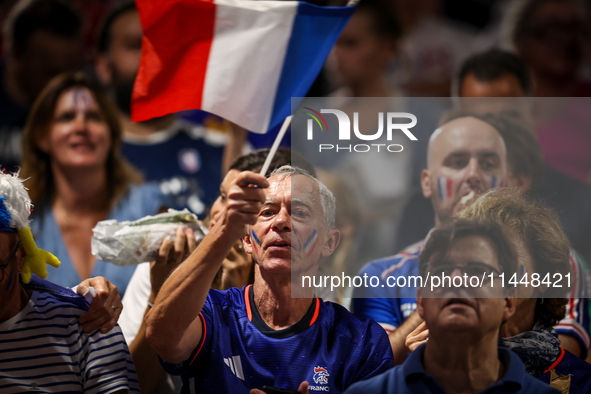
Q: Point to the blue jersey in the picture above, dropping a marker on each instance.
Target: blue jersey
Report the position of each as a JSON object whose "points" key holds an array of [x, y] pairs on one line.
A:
{"points": [[330, 348], [185, 159], [391, 305], [411, 378], [569, 364]]}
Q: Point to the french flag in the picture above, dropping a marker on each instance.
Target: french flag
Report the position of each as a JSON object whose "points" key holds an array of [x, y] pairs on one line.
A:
{"points": [[310, 243], [241, 60], [444, 186]]}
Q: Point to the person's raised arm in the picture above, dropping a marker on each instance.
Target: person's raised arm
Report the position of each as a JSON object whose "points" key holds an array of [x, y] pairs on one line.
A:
{"points": [[150, 372], [174, 328]]}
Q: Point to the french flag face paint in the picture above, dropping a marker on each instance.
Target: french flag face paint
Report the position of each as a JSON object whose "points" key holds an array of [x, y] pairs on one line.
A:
{"points": [[444, 185], [496, 182], [255, 242], [310, 243]]}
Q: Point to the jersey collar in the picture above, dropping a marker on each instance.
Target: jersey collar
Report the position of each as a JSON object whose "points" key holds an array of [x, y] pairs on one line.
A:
{"points": [[253, 315]]}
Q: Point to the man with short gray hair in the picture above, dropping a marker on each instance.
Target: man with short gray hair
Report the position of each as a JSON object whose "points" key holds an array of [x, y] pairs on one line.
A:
{"points": [[260, 335]]}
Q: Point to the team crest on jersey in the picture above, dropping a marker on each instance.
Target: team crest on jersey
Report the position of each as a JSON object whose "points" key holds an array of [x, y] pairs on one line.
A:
{"points": [[320, 375]]}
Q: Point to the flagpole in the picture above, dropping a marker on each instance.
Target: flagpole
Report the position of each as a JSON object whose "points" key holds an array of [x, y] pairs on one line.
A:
{"points": [[270, 156], [278, 139]]}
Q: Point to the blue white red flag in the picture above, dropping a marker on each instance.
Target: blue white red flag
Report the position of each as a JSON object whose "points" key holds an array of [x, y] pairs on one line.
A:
{"points": [[241, 60]]}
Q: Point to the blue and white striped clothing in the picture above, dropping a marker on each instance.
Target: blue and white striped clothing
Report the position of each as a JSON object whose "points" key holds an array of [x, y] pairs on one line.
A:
{"points": [[43, 349]]}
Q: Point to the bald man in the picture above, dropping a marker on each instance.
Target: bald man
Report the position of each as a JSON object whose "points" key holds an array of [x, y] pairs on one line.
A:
{"points": [[465, 155]]}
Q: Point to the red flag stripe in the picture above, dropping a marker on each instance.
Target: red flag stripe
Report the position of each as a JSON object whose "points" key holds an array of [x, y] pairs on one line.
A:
{"points": [[192, 30], [448, 187]]}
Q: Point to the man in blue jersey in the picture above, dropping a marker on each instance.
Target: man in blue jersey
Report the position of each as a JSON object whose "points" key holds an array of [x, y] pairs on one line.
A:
{"points": [[462, 354], [466, 154], [46, 345], [239, 340]]}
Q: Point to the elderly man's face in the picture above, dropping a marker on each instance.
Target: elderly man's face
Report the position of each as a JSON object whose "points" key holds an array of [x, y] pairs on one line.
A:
{"points": [[466, 309], [9, 267], [465, 154], [290, 228]]}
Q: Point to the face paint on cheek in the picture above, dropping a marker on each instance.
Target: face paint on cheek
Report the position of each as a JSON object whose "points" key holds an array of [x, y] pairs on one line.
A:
{"points": [[310, 243], [255, 242], [522, 271], [495, 182], [444, 186]]}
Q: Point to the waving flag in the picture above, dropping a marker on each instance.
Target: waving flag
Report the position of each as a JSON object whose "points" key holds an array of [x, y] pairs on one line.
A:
{"points": [[241, 60]]}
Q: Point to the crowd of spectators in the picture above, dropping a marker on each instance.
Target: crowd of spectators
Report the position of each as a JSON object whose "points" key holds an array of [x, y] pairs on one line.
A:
{"points": [[499, 182]]}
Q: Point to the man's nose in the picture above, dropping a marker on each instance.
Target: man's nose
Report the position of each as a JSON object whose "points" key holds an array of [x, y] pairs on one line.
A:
{"points": [[456, 271], [473, 175], [282, 220]]}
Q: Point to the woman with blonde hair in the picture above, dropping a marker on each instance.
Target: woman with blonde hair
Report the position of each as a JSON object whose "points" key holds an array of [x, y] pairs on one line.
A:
{"points": [[77, 177]]}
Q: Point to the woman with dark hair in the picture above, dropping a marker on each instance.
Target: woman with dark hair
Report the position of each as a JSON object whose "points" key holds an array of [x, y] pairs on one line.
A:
{"points": [[76, 177], [542, 247]]}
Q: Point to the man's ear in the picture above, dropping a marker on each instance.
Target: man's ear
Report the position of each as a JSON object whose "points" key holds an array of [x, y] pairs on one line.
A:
{"points": [[332, 241], [420, 309], [103, 69], [521, 182], [426, 183], [247, 243], [510, 306], [20, 257]]}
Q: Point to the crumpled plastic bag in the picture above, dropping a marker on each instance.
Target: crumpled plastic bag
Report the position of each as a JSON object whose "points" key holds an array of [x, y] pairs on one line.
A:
{"points": [[131, 243]]}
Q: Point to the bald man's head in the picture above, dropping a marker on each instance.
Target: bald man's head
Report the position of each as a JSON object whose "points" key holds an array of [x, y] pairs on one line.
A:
{"points": [[464, 155]]}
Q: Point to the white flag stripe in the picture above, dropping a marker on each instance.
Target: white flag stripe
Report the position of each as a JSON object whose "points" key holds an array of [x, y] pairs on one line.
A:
{"points": [[272, 20]]}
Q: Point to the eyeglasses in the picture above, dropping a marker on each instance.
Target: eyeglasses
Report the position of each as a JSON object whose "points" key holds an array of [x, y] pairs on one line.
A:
{"points": [[3, 266], [471, 269]]}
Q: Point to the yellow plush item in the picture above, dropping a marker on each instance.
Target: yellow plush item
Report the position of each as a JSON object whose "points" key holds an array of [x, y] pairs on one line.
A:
{"points": [[36, 258]]}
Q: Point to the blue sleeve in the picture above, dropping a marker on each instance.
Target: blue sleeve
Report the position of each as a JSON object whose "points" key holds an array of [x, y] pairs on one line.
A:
{"points": [[384, 311], [186, 366], [376, 356], [376, 303], [576, 320]]}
